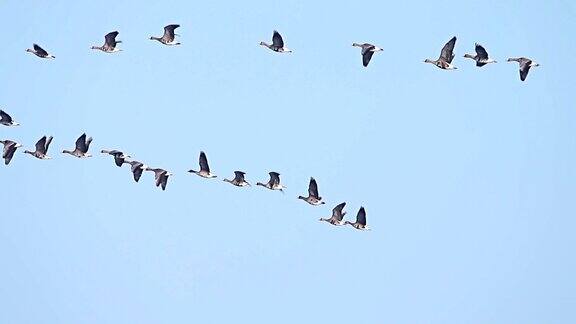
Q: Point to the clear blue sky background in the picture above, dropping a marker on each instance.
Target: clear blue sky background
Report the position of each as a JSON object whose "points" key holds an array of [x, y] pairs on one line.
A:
{"points": [[468, 176]]}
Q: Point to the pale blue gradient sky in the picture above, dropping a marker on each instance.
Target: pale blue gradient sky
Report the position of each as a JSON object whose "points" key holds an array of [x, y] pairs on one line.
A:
{"points": [[468, 176]]}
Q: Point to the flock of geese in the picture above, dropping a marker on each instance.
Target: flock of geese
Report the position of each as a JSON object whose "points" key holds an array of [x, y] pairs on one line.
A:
{"points": [[161, 176]]}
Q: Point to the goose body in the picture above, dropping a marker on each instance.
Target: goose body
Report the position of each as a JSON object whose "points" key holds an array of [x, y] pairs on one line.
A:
{"points": [[82, 146], [524, 64], [6, 120], [137, 168], [10, 148], [161, 177], [313, 197], [169, 37], [40, 52], [204, 168], [110, 43], [119, 157], [277, 44], [481, 56], [238, 180], [360, 223], [41, 148], [337, 215], [367, 51], [444, 62], [273, 183]]}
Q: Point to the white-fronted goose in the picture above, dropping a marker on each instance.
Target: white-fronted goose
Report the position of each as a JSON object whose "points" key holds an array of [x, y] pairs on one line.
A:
{"points": [[41, 148], [40, 52], [367, 51], [82, 146], [6, 120], [161, 177], [110, 43], [238, 180], [273, 183], [136, 168], [360, 223], [446, 56], [337, 215], [119, 157], [9, 149], [169, 37], [277, 44], [313, 197], [204, 168], [481, 56], [525, 65]]}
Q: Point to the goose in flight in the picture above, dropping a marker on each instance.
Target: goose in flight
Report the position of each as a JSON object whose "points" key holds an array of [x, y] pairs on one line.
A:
{"points": [[137, 168], [6, 120], [82, 146], [9, 149], [110, 43], [367, 51], [273, 183], [313, 197], [481, 56], [238, 180], [446, 56], [337, 215], [360, 223], [525, 65], [161, 177], [204, 168], [41, 148], [119, 157], [169, 37], [277, 44], [40, 52]]}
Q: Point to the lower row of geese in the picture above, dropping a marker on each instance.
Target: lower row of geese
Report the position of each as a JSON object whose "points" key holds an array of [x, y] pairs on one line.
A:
{"points": [[444, 61], [161, 175]]}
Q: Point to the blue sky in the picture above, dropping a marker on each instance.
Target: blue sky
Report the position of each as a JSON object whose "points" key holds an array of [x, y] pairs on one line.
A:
{"points": [[467, 176]]}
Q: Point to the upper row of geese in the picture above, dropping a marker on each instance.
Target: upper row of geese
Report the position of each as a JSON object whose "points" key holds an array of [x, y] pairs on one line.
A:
{"points": [[161, 176], [444, 61]]}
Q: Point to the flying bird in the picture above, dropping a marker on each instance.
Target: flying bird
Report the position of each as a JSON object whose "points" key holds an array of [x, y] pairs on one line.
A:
{"points": [[204, 168], [119, 157], [110, 43], [313, 197], [40, 52], [525, 64], [169, 37], [446, 56], [367, 51], [360, 223], [481, 56], [41, 148], [82, 145], [161, 177], [6, 120], [238, 180], [137, 168], [273, 183], [337, 215], [277, 44], [9, 149]]}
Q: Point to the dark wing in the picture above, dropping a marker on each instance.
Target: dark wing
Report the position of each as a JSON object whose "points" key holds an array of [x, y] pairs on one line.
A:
{"points": [[137, 173], [169, 32], [40, 50], [9, 152], [48, 141], [88, 141], [5, 117], [337, 211], [524, 68], [274, 177], [366, 57], [277, 39], [239, 176], [203, 162], [163, 180], [41, 144], [447, 51], [119, 160], [313, 188], [7, 145], [110, 39], [361, 217], [481, 52], [81, 143]]}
